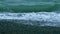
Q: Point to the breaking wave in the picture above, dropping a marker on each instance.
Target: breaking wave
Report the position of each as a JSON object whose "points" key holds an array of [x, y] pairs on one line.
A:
{"points": [[38, 18]]}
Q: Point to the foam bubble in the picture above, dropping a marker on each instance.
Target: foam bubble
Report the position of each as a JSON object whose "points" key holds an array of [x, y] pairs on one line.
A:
{"points": [[44, 18]]}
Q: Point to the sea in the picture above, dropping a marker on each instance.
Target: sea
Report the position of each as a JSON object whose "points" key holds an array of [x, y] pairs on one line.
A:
{"points": [[42, 18]]}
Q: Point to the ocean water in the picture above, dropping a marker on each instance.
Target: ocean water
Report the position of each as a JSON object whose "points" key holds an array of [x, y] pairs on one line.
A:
{"points": [[29, 16], [42, 18], [29, 5], [37, 19]]}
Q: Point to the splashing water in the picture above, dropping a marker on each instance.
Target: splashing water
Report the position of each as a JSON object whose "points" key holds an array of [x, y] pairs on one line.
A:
{"points": [[39, 18]]}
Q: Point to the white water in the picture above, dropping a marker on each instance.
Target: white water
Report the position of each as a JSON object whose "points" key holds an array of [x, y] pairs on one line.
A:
{"points": [[48, 18]]}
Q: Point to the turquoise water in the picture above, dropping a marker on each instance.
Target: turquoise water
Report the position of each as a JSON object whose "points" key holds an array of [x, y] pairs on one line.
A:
{"points": [[50, 18], [29, 5], [31, 16]]}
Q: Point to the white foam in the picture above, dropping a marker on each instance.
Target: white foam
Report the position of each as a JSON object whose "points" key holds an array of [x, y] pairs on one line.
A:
{"points": [[50, 18]]}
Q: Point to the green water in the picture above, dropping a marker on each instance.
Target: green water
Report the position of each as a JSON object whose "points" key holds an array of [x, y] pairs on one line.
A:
{"points": [[29, 5], [18, 6]]}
